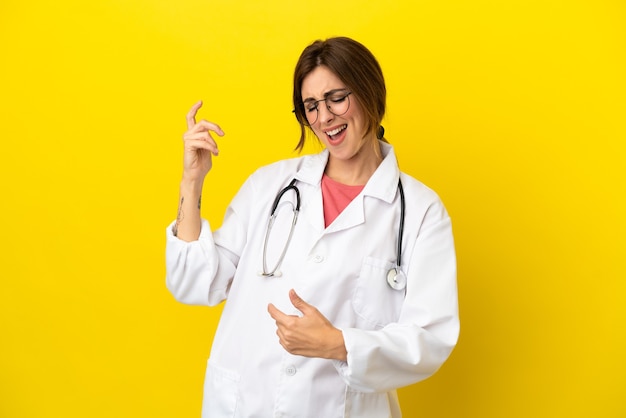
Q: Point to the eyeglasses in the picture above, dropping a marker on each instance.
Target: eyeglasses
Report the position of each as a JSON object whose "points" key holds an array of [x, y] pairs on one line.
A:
{"points": [[337, 102]]}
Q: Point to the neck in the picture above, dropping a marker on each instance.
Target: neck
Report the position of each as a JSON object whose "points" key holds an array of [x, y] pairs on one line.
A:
{"points": [[357, 170]]}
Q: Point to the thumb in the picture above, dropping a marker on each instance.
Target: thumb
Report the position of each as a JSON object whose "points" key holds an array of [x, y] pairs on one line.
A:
{"points": [[298, 303]]}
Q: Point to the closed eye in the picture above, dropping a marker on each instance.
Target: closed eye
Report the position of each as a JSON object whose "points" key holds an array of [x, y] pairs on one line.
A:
{"points": [[338, 99]]}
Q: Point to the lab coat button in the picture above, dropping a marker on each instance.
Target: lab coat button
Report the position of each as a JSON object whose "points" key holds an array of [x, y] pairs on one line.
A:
{"points": [[290, 370], [318, 258]]}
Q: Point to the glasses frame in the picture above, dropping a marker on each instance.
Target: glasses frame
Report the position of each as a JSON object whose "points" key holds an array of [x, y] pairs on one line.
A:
{"points": [[303, 106]]}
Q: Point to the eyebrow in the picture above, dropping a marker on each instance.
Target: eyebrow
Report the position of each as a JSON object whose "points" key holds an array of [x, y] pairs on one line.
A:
{"points": [[328, 93]]}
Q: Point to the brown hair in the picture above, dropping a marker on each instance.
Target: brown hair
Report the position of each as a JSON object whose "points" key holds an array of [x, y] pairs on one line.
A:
{"points": [[355, 66]]}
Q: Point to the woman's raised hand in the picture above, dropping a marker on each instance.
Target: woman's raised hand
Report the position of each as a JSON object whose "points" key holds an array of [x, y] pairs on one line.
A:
{"points": [[199, 146]]}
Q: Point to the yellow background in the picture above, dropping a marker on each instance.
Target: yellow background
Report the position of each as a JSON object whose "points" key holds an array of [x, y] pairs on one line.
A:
{"points": [[514, 111]]}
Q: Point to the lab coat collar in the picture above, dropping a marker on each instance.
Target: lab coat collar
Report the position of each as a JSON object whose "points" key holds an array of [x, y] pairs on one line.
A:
{"points": [[312, 168], [383, 184]]}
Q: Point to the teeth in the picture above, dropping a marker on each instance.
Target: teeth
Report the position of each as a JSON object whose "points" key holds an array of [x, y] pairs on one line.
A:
{"points": [[336, 131]]}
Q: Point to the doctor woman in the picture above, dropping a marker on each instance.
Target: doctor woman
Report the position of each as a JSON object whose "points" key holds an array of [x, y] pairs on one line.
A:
{"points": [[349, 292]]}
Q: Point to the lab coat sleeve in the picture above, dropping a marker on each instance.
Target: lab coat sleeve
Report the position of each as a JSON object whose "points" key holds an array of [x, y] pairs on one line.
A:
{"points": [[414, 347], [200, 272]]}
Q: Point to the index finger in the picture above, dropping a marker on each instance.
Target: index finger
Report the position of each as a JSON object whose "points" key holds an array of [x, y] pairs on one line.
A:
{"points": [[276, 314], [191, 116]]}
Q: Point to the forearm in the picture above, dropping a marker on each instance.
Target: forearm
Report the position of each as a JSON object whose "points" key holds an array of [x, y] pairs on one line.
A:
{"points": [[394, 357], [188, 220]]}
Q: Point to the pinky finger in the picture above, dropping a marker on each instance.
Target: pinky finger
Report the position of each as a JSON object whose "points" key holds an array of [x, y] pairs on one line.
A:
{"points": [[195, 144]]}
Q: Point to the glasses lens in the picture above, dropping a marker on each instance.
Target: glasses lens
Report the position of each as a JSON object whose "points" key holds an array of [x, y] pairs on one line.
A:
{"points": [[310, 112], [338, 103]]}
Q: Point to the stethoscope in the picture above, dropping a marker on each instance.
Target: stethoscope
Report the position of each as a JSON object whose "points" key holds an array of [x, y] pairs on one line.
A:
{"points": [[395, 276]]}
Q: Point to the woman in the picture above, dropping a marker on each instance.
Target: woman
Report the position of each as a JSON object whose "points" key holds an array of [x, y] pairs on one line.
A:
{"points": [[325, 315]]}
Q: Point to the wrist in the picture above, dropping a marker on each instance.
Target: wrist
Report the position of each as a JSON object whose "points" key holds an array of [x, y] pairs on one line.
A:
{"points": [[191, 187], [338, 350]]}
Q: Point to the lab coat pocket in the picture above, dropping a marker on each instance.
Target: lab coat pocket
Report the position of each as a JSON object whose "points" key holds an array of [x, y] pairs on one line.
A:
{"points": [[367, 405], [374, 300], [220, 392]]}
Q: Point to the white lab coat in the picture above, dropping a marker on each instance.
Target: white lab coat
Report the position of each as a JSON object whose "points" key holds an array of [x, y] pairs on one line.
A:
{"points": [[393, 338]]}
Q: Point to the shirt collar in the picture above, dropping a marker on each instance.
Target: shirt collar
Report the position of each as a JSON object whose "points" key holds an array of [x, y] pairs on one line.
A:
{"points": [[383, 184]]}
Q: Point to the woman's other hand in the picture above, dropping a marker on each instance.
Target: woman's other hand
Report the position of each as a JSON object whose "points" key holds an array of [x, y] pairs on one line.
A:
{"points": [[199, 146], [197, 161], [309, 335]]}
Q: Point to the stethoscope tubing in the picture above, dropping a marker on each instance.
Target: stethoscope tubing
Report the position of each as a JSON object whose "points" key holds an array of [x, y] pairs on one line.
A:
{"points": [[270, 223], [290, 186], [395, 276], [401, 227]]}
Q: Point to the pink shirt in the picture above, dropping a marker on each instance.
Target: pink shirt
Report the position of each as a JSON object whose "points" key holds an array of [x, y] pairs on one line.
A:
{"points": [[336, 197]]}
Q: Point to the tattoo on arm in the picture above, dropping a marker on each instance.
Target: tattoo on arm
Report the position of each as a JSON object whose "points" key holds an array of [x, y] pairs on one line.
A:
{"points": [[179, 217]]}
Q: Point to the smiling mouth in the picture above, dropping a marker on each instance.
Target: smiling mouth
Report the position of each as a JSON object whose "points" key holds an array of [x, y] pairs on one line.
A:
{"points": [[336, 131]]}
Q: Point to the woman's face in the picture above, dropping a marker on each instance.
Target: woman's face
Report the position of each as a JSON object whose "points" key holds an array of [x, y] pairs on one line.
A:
{"points": [[342, 135]]}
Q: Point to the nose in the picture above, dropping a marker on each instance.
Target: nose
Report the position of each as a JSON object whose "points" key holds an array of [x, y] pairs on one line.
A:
{"points": [[324, 114]]}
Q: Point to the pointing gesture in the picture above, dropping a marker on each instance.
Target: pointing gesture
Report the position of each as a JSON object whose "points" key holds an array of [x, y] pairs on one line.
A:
{"points": [[199, 148], [309, 335], [199, 145]]}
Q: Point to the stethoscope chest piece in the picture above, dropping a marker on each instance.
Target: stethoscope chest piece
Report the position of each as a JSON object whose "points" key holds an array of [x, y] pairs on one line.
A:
{"points": [[396, 279]]}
